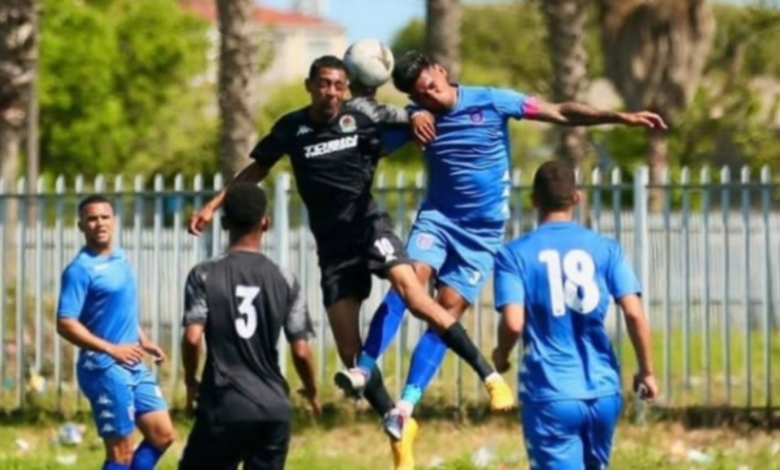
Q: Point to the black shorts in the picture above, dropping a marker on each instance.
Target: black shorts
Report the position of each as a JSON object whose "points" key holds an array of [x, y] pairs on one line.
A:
{"points": [[260, 445], [347, 263]]}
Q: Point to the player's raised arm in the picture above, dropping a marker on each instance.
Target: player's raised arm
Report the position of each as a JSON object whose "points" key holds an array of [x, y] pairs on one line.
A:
{"points": [[624, 287], [298, 330], [579, 114], [509, 297], [266, 153], [521, 106]]}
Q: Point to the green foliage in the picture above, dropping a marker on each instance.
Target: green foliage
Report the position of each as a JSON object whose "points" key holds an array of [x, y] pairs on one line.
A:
{"points": [[503, 44], [116, 87]]}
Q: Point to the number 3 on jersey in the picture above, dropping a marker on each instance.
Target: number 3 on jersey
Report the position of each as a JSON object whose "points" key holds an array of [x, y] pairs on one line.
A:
{"points": [[246, 322], [572, 281]]}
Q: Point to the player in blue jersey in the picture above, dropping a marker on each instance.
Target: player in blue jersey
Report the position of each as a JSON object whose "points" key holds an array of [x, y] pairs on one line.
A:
{"points": [[461, 223], [98, 312], [553, 287]]}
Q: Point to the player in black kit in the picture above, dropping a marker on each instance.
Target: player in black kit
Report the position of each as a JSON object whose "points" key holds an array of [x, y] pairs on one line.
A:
{"points": [[334, 150], [242, 302]]}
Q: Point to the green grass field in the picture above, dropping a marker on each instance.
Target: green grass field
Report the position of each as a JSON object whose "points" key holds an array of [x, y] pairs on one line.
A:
{"points": [[441, 444]]}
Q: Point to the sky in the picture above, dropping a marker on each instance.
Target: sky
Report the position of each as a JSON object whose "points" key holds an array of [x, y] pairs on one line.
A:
{"points": [[379, 19]]}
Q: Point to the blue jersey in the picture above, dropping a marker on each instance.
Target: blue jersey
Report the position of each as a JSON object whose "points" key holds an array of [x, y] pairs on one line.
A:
{"points": [[468, 162], [101, 292], [564, 275]]}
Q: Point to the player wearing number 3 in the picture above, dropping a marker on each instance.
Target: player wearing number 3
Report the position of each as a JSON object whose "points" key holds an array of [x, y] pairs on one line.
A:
{"points": [[242, 301], [553, 287]]}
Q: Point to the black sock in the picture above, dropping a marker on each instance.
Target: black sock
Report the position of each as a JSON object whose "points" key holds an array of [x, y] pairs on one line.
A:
{"points": [[376, 394], [455, 338]]}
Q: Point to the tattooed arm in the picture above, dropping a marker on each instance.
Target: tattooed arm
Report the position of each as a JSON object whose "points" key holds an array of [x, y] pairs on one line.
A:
{"points": [[578, 114]]}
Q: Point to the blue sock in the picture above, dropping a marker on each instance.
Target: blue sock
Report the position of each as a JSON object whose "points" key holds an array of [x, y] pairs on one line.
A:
{"points": [[145, 457], [384, 326], [426, 360], [115, 466]]}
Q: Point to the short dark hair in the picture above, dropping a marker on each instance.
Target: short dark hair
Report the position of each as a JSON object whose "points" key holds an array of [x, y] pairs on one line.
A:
{"points": [[555, 183], [325, 62], [94, 199], [245, 205], [408, 69]]}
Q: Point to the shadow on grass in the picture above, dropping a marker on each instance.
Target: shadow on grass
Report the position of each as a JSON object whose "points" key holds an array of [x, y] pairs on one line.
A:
{"points": [[343, 413]]}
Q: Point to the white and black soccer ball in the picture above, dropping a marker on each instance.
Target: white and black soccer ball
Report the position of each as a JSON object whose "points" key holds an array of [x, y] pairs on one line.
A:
{"points": [[369, 62]]}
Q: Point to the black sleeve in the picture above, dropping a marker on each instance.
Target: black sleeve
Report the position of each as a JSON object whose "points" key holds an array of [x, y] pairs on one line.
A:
{"points": [[384, 114], [297, 324], [195, 306], [272, 147]]}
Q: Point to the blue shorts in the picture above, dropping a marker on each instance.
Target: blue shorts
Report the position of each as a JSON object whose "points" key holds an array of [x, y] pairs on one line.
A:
{"points": [[570, 434], [460, 253], [118, 396]]}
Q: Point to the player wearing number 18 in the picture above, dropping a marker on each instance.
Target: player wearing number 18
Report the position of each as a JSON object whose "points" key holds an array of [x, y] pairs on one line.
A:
{"points": [[242, 301], [553, 287]]}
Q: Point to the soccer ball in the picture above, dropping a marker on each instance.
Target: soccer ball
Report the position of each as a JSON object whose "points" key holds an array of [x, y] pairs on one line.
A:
{"points": [[369, 62]]}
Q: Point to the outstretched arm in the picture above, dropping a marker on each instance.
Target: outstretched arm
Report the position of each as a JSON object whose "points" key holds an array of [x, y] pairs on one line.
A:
{"points": [[579, 114], [265, 154]]}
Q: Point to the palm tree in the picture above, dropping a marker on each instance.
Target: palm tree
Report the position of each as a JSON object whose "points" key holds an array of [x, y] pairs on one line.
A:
{"points": [[655, 53], [238, 64], [565, 21], [18, 56], [442, 34], [18, 53]]}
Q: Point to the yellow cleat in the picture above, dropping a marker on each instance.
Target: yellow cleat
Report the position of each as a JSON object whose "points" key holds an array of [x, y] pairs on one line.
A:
{"points": [[403, 450], [501, 396]]}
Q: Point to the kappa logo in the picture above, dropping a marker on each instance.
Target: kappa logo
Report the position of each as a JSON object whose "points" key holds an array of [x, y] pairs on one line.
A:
{"points": [[324, 148], [347, 124], [303, 130]]}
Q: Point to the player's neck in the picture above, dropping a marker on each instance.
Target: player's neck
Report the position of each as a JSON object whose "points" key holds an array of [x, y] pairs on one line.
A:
{"points": [[245, 242], [558, 216], [99, 249]]}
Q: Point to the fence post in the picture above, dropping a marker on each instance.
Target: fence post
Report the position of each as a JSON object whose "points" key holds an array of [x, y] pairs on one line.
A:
{"points": [[641, 239], [641, 256], [281, 246]]}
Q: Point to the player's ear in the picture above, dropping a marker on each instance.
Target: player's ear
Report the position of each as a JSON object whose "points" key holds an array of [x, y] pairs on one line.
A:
{"points": [[576, 197], [308, 85], [441, 70], [265, 224], [534, 201]]}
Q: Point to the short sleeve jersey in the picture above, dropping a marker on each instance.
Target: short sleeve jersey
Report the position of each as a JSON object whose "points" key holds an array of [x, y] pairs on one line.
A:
{"points": [[245, 302]]}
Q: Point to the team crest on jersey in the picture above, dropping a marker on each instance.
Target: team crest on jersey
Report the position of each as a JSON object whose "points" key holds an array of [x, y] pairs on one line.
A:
{"points": [[476, 115], [424, 241], [347, 124]]}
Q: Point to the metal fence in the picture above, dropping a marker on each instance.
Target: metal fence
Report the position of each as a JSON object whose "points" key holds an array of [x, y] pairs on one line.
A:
{"points": [[709, 260]]}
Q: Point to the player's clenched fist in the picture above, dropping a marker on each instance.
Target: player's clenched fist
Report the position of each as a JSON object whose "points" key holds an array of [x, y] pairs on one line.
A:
{"points": [[646, 386], [200, 219]]}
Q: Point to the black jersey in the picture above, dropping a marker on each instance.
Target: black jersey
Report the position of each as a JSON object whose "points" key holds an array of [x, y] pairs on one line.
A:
{"points": [[334, 163], [244, 302]]}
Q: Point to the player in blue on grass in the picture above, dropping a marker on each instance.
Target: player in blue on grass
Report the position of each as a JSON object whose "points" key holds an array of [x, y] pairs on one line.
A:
{"points": [[98, 312], [460, 225], [553, 287]]}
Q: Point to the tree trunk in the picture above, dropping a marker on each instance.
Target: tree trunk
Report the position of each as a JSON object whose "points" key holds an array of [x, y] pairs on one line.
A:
{"points": [[238, 63], [657, 162], [442, 34], [566, 21], [18, 53], [655, 53]]}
